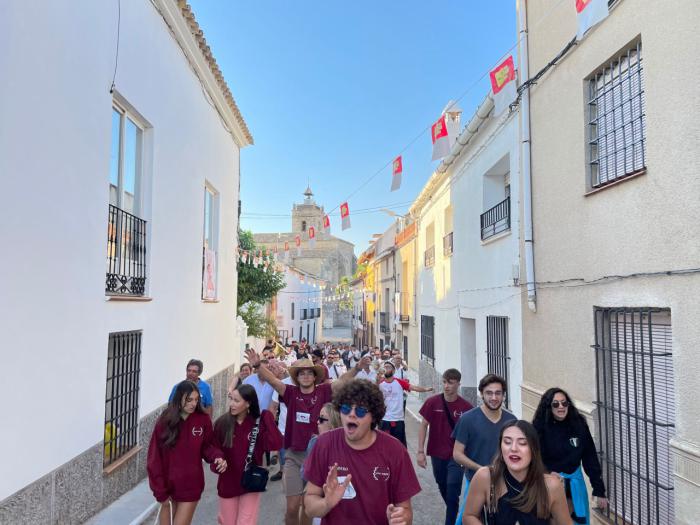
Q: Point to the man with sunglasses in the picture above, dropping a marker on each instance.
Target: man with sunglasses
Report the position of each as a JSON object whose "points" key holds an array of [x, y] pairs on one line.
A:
{"points": [[304, 400], [357, 474]]}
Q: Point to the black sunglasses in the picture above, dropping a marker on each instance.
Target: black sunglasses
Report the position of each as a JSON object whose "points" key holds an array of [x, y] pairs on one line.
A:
{"points": [[359, 411], [564, 404]]}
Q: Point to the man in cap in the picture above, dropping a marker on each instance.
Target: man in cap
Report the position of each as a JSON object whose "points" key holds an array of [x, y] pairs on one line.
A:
{"points": [[304, 400]]}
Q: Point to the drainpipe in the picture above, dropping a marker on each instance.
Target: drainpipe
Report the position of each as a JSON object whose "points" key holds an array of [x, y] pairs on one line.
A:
{"points": [[525, 160]]}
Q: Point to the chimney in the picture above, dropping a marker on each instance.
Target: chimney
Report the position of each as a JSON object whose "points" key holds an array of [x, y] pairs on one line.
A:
{"points": [[454, 115]]}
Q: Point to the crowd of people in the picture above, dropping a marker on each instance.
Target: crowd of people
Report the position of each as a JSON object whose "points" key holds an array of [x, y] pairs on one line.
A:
{"points": [[333, 418]]}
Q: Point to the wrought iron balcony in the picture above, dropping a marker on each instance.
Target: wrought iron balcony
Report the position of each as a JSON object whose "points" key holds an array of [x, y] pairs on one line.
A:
{"points": [[404, 319], [496, 220], [429, 257], [384, 322], [447, 246], [126, 253]]}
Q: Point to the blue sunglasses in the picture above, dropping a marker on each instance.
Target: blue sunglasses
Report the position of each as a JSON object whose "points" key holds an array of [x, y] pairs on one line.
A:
{"points": [[359, 411]]}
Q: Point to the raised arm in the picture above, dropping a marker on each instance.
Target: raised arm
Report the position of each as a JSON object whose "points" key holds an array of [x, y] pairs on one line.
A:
{"points": [[418, 388], [265, 373], [347, 376]]}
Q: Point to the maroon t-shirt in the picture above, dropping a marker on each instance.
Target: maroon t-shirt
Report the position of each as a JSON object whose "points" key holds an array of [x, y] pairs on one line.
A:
{"points": [[440, 444], [176, 472], [269, 438], [381, 474], [302, 414]]}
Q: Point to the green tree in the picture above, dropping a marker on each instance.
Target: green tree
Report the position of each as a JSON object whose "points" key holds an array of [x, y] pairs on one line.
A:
{"points": [[256, 286]]}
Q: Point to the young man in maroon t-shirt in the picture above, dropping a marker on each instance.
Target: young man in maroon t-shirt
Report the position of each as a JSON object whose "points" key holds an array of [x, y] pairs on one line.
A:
{"points": [[440, 415], [304, 400], [357, 474]]}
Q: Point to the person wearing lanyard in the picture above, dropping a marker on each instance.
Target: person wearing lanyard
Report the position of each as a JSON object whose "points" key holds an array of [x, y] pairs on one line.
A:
{"points": [[304, 400]]}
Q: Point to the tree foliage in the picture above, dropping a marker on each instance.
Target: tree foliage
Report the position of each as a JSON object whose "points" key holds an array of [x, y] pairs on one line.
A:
{"points": [[256, 285], [259, 325]]}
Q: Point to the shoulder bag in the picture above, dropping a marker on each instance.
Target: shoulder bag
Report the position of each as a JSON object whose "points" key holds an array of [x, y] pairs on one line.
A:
{"points": [[450, 419], [254, 477]]}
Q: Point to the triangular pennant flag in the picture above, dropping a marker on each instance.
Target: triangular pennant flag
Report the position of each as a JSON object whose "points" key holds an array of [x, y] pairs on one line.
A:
{"points": [[345, 215], [326, 224], [503, 85], [441, 141], [297, 241], [312, 237], [396, 171], [590, 13]]}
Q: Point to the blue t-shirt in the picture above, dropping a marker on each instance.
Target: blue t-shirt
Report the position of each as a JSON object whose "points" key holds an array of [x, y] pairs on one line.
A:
{"points": [[264, 390], [204, 393], [479, 435]]}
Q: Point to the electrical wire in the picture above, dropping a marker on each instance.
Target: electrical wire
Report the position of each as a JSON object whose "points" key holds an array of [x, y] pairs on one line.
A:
{"points": [[116, 56]]}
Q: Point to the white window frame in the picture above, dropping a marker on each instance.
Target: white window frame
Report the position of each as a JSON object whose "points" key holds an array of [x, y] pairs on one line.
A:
{"points": [[210, 240], [125, 114]]}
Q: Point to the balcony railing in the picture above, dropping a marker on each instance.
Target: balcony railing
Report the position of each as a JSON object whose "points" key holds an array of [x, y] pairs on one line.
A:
{"points": [[430, 257], [126, 253], [496, 220], [447, 246], [403, 318], [384, 322]]}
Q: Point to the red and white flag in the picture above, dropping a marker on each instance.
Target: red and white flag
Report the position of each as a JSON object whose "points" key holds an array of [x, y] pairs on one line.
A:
{"points": [[590, 13], [503, 85], [441, 140], [297, 241], [326, 224], [286, 250], [345, 215], [312, 237], [396, 171]]}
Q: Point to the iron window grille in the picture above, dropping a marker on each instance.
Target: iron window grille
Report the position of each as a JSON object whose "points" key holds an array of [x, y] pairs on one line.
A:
{"points": [[303, 314], [430, 257], [384, 322], [122, 394], [427, 339], [447, 244], [635, 391], [292, 311], [126, 253], [497, 358], [318, 312], [496, 220], [617, 121]]}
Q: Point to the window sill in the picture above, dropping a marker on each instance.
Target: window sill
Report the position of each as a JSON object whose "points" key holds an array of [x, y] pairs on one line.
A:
{"points": [[135, 298], [617, 182], [122, 460], [496, 237], [211, 300]]}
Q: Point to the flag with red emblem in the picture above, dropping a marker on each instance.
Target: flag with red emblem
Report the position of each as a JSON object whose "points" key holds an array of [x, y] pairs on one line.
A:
{"points": [[396, 171], [345, 216], [441, 140], [312, 237], [326, 224], [589, 13], [504, 88], [297, 241], [286, 250]]}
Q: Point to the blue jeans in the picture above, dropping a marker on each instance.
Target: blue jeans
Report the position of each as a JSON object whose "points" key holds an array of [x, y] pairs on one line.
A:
{"points": [[455, 474]]}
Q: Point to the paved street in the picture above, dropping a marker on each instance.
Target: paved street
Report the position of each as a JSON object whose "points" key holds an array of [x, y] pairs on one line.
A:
{"points": [[428, 507]]}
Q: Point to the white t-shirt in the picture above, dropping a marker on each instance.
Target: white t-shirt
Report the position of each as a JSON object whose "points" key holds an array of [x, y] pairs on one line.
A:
{"points": [[336, 370], [393, 399], [370, 376], [283, 408]]}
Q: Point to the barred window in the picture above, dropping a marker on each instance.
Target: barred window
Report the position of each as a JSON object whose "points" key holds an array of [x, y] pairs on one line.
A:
{"points": [[634, 368], [122, 396], [497, 348], [617, 121], [427, 339]]}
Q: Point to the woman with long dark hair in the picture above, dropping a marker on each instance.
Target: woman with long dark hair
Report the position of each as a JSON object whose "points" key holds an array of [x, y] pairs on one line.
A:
{"points": [[232, 433], [515, 488], [567, 443], [182, 437]]}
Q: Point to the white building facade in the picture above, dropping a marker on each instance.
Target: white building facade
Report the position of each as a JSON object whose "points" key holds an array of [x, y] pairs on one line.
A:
{"points": [[299, 307], [468, 297], [121, 208]]}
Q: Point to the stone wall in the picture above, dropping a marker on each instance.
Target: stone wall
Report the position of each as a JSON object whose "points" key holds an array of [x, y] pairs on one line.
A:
{"points": [[80, 488]]}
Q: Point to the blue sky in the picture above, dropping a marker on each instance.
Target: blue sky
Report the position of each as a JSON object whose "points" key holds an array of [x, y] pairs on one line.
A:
{"points": [[333, 91]]}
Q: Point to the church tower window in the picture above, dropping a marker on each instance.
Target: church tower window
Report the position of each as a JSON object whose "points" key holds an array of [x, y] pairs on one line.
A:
{"points": [[303, 226]]}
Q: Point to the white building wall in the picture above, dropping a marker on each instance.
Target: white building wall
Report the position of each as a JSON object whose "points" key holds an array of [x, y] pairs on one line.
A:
{"points": [[54, 158], [476, 281], [306, 294]]}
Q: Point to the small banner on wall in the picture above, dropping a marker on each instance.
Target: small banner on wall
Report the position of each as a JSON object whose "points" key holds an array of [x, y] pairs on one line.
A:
{"points": [[326, 224], [345, 215], [286, 250], [312, 237], [503, 85], [297, 241], [396, 171], [209, 275], [589, 13]]}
